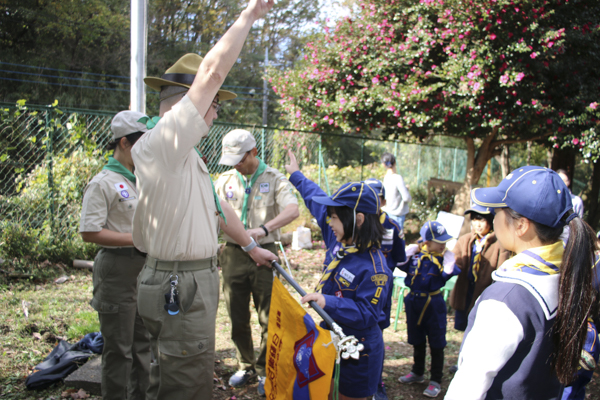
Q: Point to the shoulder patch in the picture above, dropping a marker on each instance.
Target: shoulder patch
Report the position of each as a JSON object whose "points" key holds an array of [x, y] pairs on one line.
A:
{"points": [[379, 279]]}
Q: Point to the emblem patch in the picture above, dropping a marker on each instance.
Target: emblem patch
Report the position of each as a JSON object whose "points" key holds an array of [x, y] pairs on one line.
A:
{"points": [[339, 294], [124, 194], [344, 282], [440, 230], [389, 234], [229, 194], [121, 186], [380, 279], [347, 274], [264, 187]]}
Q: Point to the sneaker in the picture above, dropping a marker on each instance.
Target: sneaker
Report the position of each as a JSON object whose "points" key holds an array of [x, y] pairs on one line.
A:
{"points": [[380, 394], [453, 369], [433, 389], [411, 378], [261, 385], [240, 378]]}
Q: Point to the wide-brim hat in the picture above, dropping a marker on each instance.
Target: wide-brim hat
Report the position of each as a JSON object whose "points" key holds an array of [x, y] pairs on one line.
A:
{"points": [[434, 231], [359, 196], [537, 193], [182, 73]]}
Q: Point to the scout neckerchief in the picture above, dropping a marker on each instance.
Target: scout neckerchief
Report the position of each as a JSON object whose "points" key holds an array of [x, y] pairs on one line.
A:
{"points": [[248, 188], [543, 260], [426, 254], [150, 124], [115, 166], [479, 244], [339, 256]]}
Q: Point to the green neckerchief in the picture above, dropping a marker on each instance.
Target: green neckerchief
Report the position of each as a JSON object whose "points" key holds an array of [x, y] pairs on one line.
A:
{"points": [[212, 185], [261, 168], [115, 166]]}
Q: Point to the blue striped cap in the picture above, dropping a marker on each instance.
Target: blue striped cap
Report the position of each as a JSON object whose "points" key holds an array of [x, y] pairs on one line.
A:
{"points": [[357, 195], [535, 192], [434, 231]]}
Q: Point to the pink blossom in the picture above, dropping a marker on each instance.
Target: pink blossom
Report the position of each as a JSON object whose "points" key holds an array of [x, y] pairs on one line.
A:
{"points": [[331, 121], [415, 39], [319, 103], [298, 114], [534, 102], [520, 76], [397, 113], [493, 36], [342, 101], [519, 102], [593, 105], [314, 124], [476, 86], [575, 141], [504, 79], [463, 47], [550, 44], [326, 117], [375, 80], [533, 55]]}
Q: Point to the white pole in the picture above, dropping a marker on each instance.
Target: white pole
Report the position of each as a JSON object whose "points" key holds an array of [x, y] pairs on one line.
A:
{"points": [[265, 86], [139, 39]]}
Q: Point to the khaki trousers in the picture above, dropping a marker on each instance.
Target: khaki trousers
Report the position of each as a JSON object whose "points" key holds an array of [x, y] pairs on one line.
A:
{"points": [[126, 353], [242, 278], [183, 344]]}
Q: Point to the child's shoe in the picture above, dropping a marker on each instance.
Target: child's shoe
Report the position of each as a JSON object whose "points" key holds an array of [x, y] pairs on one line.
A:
{"points": [[380, 394], [411, 378], [433, 389]]}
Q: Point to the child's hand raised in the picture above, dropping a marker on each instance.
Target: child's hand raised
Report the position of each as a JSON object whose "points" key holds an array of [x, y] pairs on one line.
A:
{"points": [[293, 165], [317, 297]]}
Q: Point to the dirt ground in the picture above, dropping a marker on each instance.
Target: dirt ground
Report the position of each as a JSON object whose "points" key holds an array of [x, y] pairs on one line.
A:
{"points": [[21, 350]]}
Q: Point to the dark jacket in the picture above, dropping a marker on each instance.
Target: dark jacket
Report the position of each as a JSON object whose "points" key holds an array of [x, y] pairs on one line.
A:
{"points": [[493, 255]]}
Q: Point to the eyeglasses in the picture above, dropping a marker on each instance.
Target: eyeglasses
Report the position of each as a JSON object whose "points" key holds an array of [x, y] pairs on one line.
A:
{"points": [[244, 158], [216, 106]]}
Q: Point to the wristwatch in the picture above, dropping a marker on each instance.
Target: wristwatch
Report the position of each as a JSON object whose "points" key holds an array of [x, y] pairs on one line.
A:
{"points": [[250, 246]]}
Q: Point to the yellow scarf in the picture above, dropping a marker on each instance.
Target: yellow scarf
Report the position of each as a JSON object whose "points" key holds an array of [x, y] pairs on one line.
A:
{"points": [[426, 254], [479, 245], [339, 256], [543, 260]]}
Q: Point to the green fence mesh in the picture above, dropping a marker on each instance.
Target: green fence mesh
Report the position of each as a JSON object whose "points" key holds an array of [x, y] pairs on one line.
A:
{"points": [[48, 154]]}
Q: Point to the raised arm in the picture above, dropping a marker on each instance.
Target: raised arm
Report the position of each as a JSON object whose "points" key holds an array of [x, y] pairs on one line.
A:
{"points": [[218, 61]]}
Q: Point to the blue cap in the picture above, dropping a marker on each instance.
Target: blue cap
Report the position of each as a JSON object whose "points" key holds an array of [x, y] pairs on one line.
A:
{"points": [[434, 231], [377, 185], [476, 208], [537, 193], [357, 195]]}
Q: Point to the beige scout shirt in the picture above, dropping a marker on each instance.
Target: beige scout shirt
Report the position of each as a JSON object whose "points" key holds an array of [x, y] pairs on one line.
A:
{"points": [[109, 201], [176, 218], [271, 193]]}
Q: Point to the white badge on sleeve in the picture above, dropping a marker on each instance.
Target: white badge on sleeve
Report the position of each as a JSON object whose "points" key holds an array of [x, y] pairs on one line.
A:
{"points": [[349, 276]]}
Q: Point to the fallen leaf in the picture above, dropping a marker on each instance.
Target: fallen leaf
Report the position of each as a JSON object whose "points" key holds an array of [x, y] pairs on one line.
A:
{"points": [[36, 335], [67, 393]]}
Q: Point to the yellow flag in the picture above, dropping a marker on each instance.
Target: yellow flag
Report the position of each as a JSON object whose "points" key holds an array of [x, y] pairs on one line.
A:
{"points": [[300, 354]]}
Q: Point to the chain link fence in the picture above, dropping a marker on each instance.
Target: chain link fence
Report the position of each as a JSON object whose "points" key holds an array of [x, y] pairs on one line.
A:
{"points": [[48, 154]]}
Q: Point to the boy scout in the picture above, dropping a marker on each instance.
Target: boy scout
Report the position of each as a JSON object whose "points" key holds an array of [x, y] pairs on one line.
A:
{"points": [[179, 216], [109, 201], [263, 199]]}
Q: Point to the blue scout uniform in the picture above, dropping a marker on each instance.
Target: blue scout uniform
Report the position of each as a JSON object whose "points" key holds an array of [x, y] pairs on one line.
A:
{"points": [[425, 306], [392, 247], [355, 294]]}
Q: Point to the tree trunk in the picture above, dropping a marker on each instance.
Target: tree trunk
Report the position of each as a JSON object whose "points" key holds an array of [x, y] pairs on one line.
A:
{"points": [[476, 163], [590, 197], [504, 160], [564, 159]]}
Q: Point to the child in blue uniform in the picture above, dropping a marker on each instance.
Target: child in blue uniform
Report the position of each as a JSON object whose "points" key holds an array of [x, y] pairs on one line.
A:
{"points": [[355, 283], [536, 311], [392, 247], [427, 270]]}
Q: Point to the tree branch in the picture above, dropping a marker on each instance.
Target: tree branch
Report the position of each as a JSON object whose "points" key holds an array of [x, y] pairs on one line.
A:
{"points": [[511, 141]]}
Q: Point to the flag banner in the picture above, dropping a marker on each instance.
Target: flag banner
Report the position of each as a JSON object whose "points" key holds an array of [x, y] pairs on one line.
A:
{"points": [[300, 354]]}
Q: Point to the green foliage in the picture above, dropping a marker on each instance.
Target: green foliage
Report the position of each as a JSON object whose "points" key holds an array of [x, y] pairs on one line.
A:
{"points": [[427, 204]]}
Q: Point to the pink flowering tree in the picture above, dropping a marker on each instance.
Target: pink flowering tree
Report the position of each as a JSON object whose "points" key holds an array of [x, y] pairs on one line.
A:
{"points": [[491, 72]]}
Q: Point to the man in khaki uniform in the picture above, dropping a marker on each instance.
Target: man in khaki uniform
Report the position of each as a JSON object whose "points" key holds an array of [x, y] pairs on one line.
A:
{"points": [[263, 198], [109, 202], [178, 218]]}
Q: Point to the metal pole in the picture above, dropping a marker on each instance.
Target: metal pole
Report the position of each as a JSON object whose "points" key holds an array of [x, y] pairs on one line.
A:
{"points": [[418, 165], [439, 163], [320, 158], [362, 157], [265, 87], [454, 166], [139, 40], [49, 154]]}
